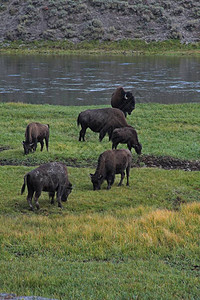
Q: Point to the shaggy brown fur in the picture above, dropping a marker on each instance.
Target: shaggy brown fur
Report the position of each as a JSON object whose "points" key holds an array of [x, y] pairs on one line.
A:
{"points": [[51, 177], [103, 120], [112, 162], [123, 100], [126, 135], [35, 133]]}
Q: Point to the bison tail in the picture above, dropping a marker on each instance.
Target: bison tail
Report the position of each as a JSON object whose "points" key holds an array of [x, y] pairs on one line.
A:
{"points": [[24, 185], [78, 120]]}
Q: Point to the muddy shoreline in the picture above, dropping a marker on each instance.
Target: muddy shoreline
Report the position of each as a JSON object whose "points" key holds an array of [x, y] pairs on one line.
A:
{"points": [[168, 163], [148, 161]]}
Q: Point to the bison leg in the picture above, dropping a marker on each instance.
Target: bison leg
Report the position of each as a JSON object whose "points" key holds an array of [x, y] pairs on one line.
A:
{"points": [[129, 146], [102, 134], [42, 145], [29, 198], [47, 143], [58, 196], [34, 145], [114, 145], [59, 201], [110, 180], [51, 195], [110, 131], [122, 178], [82, 134], [127, 175], [106, 129], [37, 195]]}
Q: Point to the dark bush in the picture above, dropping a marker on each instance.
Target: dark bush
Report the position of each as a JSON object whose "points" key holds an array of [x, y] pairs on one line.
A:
{"points": [[174, 33], [178, 11], [13, 11], [191, 25], [94, 30]]}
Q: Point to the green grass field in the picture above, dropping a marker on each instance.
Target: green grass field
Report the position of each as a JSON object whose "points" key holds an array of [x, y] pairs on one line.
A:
{"points": [[136, 242], [163, 130]]}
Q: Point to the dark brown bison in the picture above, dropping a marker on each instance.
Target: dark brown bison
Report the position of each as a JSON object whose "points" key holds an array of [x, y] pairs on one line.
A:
{"points": [[51, 177], [103, 120], [35, 133], [111, 162], [126, 135], [125, 101]]}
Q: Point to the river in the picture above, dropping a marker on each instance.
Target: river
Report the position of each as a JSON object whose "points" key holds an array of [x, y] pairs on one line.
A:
{"points": [[91, 80]]}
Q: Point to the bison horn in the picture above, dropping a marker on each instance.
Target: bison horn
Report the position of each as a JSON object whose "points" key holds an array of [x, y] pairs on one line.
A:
{"points": [[126, 97]]}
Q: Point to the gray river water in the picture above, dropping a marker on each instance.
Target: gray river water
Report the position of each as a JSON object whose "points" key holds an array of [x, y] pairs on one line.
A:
{"points": [[91, 80]]}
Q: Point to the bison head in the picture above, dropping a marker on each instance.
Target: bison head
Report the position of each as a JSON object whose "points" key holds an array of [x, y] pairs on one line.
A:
{"points": [[67, 190], [28, 147], [138, 148], [123, 100], [96, 181], [128, 104]]}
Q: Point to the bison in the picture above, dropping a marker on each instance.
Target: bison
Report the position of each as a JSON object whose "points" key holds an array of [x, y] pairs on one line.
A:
{"points": [[125, 101], [50, 177], [103, 120], [35, 133], [126, 135], [111, 162]]}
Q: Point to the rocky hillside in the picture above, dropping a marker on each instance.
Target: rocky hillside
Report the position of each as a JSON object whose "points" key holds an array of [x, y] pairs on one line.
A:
{"points": [[110, 20]]}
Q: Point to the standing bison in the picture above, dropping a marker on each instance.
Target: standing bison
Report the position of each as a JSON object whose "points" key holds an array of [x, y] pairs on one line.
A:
{"points": [[126, 135], [103, 120], [35, 133], [125, 101], [111, 162], [51, 177]]}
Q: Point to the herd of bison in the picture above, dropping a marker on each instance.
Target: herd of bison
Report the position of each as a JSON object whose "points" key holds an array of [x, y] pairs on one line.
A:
{"points": [[53, 177]]}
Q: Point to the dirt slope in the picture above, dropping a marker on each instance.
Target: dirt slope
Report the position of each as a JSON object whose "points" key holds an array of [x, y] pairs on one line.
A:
{"points": [[113, 20]]}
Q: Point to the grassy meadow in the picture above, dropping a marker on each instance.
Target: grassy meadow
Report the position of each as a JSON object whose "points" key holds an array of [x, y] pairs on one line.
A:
{"points": [[136, 242], [163, 130]]}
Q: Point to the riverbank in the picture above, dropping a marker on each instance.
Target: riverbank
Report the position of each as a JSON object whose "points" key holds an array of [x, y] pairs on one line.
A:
{"points": [[125, 47]]}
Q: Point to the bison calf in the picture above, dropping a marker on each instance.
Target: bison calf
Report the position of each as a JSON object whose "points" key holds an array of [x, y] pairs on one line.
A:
{"points": [[35, 133], [111, 162], [102, 120], [51, 177], [126, 135]]}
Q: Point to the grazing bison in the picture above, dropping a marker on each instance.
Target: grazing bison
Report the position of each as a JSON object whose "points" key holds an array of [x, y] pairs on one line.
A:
{"points": [[125, 101], [35, 133], [126, 135], [103, 120], [51, 177], [111, 162]]}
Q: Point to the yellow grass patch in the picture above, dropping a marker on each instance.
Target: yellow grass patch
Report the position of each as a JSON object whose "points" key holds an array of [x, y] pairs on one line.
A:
{"points": [[159, 228]]}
